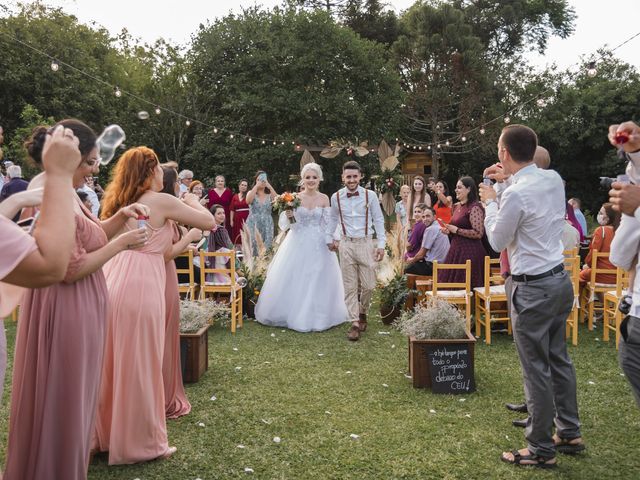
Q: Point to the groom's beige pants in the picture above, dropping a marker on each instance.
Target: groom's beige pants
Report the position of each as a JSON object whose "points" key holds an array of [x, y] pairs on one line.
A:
{"points": [[358, 274]]}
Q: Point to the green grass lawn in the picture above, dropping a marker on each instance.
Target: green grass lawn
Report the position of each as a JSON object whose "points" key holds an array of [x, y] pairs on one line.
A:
{"points": [[315, 390]]}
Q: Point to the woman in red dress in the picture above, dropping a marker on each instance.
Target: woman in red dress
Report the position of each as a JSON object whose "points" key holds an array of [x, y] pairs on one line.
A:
{"points": [[221, 195], [239, 210]]}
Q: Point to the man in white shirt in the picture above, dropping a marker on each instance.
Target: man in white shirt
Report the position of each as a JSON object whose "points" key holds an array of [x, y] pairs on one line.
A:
{"points": [[529, 225], [625, 250], [89, 189], [356, 212]]}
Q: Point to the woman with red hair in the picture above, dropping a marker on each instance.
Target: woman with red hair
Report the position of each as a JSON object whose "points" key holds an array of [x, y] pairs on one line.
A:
{"points": [[131, 423]]}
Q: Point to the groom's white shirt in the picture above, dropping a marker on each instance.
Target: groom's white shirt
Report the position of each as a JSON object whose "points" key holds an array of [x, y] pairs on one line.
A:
{"points": [[353, 212]]}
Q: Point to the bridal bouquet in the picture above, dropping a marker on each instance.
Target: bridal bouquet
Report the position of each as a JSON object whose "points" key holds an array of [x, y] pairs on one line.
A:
{"points": [[286, 201]]}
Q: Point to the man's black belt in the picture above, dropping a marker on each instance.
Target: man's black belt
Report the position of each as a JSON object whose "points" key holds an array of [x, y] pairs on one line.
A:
{"points": [[529, 278]]}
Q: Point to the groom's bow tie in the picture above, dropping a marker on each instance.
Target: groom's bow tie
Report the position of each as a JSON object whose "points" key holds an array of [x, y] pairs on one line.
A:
{"points": [[354, 194]]}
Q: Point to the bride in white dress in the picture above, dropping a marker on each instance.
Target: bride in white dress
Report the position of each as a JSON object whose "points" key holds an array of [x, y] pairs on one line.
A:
{"points": [[303, 290]]}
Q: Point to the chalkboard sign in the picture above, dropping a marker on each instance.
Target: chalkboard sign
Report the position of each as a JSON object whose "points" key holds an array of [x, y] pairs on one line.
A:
{"points": [[451, 368]]}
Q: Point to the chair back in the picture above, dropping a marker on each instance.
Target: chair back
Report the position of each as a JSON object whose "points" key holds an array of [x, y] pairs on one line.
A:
{"points": [[465, 284], [595, 256], [492, 275], [622, 281], [571, 252], [572, 266], [223, 268], [190, 287]]}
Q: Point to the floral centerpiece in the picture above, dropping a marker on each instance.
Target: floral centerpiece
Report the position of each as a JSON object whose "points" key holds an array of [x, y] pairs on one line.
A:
{"points": [[286, 201]]}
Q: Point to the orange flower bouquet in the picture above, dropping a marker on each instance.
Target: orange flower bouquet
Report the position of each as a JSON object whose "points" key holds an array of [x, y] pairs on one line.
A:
{"points": [[286, 201]]}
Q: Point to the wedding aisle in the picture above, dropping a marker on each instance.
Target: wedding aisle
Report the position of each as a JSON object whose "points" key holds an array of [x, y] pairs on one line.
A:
{"points": [[315, 406]]}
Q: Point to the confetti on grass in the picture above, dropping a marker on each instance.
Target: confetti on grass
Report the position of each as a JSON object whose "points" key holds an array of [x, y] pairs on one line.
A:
{"points": [[432, 411], [276, 439], [248, 470], [591, 383], [240, 446], [214, 398], [354, 436], [200, 424], [385, 385], [384, 333]]}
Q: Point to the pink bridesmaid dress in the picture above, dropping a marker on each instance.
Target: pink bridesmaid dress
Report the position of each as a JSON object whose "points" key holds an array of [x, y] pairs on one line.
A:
{"points": [[56, 373], [175, 398], [131, 422]]}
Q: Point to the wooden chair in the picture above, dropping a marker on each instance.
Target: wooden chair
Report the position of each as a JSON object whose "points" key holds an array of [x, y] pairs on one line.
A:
{"points": [[188, 289], [572, 266], [492, 293], [570, 253], [612, 317], [419, 283], [457, 293], [14, 314], [589, 302], [226, 284]]}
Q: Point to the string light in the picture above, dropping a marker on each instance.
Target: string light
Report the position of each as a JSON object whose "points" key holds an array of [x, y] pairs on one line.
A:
{"points": [[215, 130], [54, 65], [482, 131], [507, 119], [158, 111], [464, 139], [263, 142], [187, 123], [231, 136], [250, 140], [592, 71], [117, 92], [447, 143]]}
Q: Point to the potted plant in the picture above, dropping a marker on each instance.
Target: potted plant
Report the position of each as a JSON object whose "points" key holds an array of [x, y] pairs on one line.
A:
{"points": [[393, 296], [441, 350], [195, 318]]}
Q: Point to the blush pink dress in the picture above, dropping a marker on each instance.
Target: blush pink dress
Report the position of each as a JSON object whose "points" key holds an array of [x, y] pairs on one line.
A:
{"points": [[175, 398], [56, 373], [131, 422]]}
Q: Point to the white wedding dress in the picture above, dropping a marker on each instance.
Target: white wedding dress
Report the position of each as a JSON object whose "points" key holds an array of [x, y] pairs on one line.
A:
{"points": [[303, 290]]}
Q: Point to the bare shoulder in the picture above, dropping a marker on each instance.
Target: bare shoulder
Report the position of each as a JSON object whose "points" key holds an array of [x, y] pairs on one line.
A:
{"points": [[37, 181], [324, 200]]}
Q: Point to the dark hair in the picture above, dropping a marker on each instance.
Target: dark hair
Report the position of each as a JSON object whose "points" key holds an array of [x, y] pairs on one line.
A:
{"points": [[614, 216], [214, 208], [446, 190], [520, 141], [431, 209], [82, 195], [351, 165], [169, 179], [473, 189], [83, 132], [421, 206]]}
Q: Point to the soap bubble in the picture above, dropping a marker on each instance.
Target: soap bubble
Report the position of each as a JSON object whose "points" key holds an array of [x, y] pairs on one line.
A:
{"points": [[143, 115], [241, 282], [108, 141]]}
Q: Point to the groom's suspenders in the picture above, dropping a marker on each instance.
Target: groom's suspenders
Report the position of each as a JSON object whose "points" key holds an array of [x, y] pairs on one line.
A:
{"points": [[366, 213]]}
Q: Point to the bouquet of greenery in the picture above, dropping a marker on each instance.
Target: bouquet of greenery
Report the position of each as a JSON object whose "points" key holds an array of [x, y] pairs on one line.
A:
{"points": [[286, 201]]}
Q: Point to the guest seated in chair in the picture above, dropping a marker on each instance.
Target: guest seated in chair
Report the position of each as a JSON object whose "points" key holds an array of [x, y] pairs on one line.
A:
{"points": [[608, 221], [219, 241], [434, 246], [415, 236]]}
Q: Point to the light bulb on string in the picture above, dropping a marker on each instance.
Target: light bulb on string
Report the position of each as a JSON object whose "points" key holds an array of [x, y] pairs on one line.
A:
{"points": [[274, 142], [263, 142], [231, 136], [117, 92], [250, 140], [482, 131], [187, 123], [447, 143], [429, 147], [281, 143], [464, 139], [54, 65], [592, 71], [420, 147], [439, 146], [507, 119], [215, 130], [158, 111]]}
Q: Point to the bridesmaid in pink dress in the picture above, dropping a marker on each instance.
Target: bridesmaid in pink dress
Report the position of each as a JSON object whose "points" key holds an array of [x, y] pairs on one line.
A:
{"points": [[60, 340], [239, 211], [175, 398], [221, 195], [131, 422]]}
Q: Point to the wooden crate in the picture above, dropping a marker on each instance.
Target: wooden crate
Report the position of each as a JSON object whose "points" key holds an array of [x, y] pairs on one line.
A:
{"points": [[194, 354]]}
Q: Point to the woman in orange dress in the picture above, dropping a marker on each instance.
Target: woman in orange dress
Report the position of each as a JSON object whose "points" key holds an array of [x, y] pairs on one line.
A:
{"points": [[444, 201], [59, 344], [608, 221], [131, 422]]}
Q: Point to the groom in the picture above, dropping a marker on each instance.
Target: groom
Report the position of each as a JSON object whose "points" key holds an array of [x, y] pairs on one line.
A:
{"points": [[357, 212]]}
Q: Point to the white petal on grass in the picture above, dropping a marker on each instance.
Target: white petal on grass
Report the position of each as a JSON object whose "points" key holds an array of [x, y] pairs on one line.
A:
{"points": [[354, 436], [240, 446], [283, 331], [200, 424], [235, 349], [432, 410], [277, 439], [407, 376], [597, 339], [385, 385], [328, 412], [591, 383], [468, 416], [267, 363], [273, 334], [462, 400], [248, 470], [348, 372], [214, 398], [238, 369], [393, 346], [384, 333], [622, 374], [321, 354], [266, 422]]}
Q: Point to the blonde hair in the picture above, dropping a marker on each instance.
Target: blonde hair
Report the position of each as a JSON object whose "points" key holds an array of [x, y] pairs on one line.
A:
{"points": [[313, 167]]}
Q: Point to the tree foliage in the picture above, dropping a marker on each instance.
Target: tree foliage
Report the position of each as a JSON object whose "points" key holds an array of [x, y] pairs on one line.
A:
{"points": [[288, 76]]}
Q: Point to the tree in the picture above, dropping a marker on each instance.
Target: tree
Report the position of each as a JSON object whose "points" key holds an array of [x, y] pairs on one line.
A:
{"points": [[286, 76], [573, 118], [369, 20]]}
